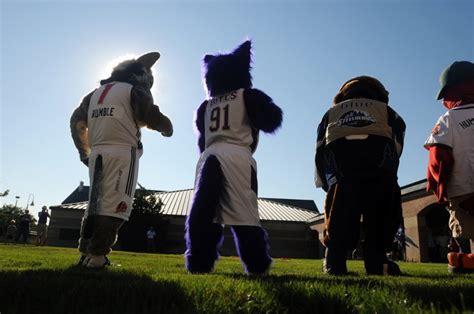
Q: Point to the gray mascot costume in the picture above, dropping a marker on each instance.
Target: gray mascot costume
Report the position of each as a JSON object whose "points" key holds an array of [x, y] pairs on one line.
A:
{"points": [[106, 131]]}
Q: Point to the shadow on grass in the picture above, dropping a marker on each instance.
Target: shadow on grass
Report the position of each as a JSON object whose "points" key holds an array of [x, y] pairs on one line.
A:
{"points": [[306, 294], [431, 293], [78, 290], [447, 298]]}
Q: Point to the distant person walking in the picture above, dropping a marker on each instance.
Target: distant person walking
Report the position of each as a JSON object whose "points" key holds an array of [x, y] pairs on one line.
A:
{"points": [[451, 150], [24, 227], [11, 231], [150, 235], [42, 226]]}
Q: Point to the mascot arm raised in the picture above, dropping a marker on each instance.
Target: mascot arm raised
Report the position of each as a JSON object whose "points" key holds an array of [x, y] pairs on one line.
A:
{"points": [[79, 130], [148, 114], [262, 111], [199, 123]]}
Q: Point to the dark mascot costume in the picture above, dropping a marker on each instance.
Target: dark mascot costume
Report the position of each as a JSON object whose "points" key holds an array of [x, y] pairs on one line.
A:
{"points": [[360, 140], [225, 193]]}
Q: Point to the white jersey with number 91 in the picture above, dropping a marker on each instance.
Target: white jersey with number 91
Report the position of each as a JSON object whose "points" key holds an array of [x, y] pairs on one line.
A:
{"points": [[226, 120]]}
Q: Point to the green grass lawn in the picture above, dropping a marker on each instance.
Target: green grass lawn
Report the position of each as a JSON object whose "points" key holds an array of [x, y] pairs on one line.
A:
{"points": [[44, 280]]}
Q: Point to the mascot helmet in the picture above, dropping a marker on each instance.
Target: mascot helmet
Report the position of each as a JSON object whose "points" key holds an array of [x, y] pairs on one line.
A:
{"points": [[362, 87]]}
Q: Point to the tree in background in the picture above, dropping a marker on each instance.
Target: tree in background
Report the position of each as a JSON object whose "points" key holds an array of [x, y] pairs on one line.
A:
{"points": [[8, 213], [146, 202], [146, 213]]}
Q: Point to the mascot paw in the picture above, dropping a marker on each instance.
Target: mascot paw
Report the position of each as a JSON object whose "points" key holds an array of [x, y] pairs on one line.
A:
{"points": [[167, 134], [85, 161]]}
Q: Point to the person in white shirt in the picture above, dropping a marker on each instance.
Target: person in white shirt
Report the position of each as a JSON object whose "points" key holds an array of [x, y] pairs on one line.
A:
{"points": [[451, 149], [150, 235]]}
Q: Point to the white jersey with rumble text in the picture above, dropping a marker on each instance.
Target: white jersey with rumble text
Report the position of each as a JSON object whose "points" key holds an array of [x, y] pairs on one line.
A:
{"points": [[110, 118]]}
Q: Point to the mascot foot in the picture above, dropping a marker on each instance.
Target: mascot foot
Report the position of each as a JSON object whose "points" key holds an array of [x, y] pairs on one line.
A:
{"points": [[98, 261], [336, 271], [192, 269], [334, 262], [197, 264], [259, 275], [391, 269], [460, 263], [83, 260], [195, 272]]}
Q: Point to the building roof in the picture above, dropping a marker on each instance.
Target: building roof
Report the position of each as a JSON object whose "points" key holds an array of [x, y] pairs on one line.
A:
{"points": [[306, 204], [80, 194], [415, 190], [177, 203]]}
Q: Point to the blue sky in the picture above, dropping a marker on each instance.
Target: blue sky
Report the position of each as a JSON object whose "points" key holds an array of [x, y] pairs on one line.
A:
{"points": [[54, 52]]}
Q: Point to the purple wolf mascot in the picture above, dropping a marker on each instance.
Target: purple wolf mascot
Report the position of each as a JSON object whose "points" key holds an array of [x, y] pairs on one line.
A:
{"points": [[225, 191]]}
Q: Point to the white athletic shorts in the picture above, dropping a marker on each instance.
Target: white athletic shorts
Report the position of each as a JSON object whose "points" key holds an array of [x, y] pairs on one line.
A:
{"points": [[238, 204], [118, 181]]}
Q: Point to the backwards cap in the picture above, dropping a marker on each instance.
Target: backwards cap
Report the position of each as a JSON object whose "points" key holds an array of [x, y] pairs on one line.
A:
{"points": [[456, 73]]}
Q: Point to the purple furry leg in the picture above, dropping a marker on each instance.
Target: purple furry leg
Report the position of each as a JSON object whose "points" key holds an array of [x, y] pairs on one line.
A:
{"points": [[202, 247], [252, 246], [203, 237]]}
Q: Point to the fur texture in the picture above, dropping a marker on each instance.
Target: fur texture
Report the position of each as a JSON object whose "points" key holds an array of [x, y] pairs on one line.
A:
{"points": [[203, 237], [132, 72], [225, 73], [263, 113], [99, 232]]}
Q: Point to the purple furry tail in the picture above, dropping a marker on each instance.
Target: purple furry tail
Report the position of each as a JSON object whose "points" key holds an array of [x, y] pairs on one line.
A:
{"points": [[262, 111], [203, 237]]}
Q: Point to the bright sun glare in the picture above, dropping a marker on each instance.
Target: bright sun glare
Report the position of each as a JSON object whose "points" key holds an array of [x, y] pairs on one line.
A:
{"points": [[107, 70]]}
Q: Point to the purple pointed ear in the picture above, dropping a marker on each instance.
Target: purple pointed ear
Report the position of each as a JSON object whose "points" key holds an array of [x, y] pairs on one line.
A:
{"points": [[244, 50], [208, 58]]}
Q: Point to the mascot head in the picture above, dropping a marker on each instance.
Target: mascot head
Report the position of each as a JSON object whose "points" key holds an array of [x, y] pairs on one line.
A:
{"points": [[136, 72], [227, 72], [362, 87]]}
